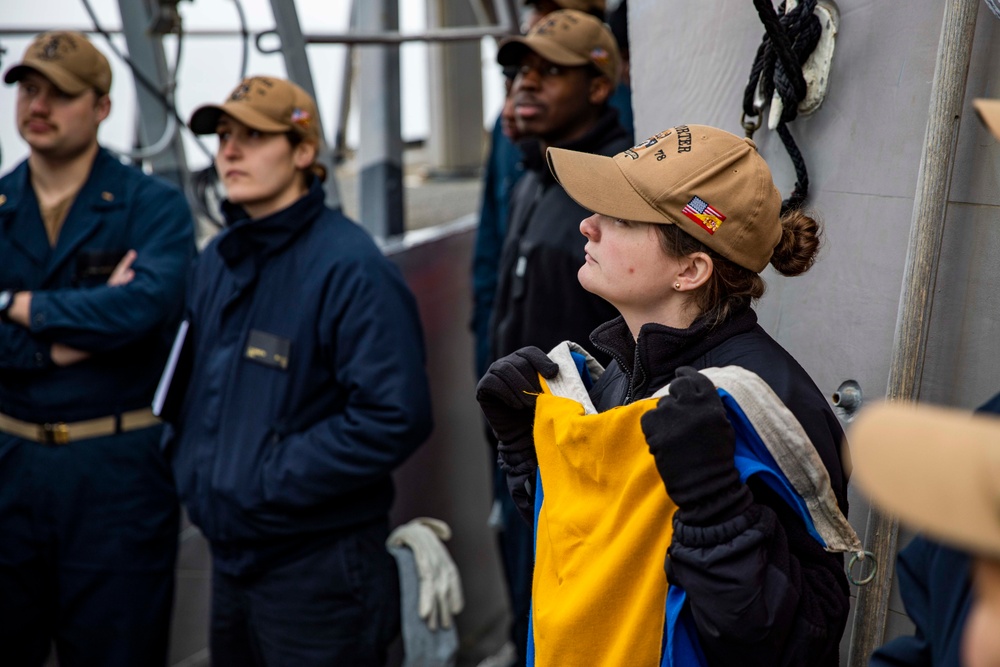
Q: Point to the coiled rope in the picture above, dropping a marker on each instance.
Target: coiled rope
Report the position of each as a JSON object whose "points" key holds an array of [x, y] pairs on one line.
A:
{"points": [[788, 41]]}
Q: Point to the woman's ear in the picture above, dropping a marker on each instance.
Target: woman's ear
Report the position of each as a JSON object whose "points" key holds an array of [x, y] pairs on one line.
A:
{"points": [[305, 154], [103, 104], [696, 269]]}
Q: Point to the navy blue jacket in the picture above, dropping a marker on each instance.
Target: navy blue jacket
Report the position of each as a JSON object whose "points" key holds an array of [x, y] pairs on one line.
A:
{"points": [[269, 455], [762, 591], [621, 100], [126, 328], [503, 169], [934, 584]]}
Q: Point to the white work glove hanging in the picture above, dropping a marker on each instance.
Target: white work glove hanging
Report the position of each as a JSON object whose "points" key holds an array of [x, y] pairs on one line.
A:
{"points": [[440, 584]]}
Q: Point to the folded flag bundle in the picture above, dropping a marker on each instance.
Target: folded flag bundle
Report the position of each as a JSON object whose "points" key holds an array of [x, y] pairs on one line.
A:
{"points": [[603, 521]]}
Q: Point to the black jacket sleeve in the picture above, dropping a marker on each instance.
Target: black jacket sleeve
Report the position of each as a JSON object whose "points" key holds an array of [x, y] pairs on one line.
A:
{"points": [[762, 590]]}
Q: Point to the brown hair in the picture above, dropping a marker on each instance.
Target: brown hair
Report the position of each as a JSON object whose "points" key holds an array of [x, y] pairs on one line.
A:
{"points": [[732, 287]]}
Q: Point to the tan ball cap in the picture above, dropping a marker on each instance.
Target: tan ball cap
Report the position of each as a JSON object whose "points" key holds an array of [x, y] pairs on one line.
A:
{"points": [[567, 37], [264, 103], [710, 183], [68, 60], [937, 469]]}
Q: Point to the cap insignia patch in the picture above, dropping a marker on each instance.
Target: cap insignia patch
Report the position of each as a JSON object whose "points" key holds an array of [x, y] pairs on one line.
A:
{"points": [[599, 56], [707, 217], [301, 117], [257, 84], [51, 49], [653, 140], [241, 92]]}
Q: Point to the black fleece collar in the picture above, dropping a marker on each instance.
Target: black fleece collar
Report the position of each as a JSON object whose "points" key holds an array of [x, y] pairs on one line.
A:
{"points": [[661, 350]]}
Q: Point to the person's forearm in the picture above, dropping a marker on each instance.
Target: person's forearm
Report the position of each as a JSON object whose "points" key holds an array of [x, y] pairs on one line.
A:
{"points": [[762, 590], [20, 309]]}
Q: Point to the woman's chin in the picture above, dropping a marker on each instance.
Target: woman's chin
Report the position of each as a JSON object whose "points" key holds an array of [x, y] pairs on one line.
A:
{"points": [[587, 281]]}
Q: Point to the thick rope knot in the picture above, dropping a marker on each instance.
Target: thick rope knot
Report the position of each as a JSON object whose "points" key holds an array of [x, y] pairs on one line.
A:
{"points": [[788, 41]]}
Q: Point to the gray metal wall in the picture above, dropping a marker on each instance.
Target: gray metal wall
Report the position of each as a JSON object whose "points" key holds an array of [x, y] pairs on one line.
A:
{"points": [[690, 63], [450, 476]]}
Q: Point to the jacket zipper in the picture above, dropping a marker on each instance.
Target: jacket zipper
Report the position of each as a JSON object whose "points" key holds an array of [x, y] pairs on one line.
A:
{"points": [[625, 369]]}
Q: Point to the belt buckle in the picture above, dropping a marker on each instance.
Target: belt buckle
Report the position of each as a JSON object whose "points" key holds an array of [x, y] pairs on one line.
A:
{"points": [[54, 434]]}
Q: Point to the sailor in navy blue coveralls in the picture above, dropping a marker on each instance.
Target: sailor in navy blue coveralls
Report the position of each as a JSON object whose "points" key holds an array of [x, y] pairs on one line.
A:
{"points": [[88, 510]]}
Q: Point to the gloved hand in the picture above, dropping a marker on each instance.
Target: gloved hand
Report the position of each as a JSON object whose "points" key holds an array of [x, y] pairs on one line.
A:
{"points": [[507, 395], [693, 443], [440, 584]]}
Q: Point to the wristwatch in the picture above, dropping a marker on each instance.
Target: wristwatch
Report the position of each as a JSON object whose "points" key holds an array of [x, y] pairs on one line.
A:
{"points": [[6, 301]]}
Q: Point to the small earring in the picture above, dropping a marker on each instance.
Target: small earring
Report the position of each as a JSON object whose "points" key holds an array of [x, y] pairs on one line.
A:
{"points": [[677, 286]]}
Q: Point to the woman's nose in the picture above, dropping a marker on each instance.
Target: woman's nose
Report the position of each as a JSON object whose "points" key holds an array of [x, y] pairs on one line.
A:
{"points": [[228, 148]]}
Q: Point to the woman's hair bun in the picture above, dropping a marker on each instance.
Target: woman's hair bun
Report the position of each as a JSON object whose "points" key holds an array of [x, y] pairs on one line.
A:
{"points": [[800, 241]]}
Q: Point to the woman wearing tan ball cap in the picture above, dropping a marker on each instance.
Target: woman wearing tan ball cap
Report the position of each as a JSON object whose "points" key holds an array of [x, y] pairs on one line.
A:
{"points": [[307, 389], [682, 226]]}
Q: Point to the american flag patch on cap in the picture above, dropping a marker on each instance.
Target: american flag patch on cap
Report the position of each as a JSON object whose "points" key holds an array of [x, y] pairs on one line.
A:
{"points": [[707, 217]]}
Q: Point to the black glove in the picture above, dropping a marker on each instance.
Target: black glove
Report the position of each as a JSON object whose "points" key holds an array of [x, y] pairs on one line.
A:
{"points": [[693, 443], [507, 395]]}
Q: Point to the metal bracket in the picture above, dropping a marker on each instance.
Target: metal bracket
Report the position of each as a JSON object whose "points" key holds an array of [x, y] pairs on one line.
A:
{"points": [[750, 127], [847, 400]]}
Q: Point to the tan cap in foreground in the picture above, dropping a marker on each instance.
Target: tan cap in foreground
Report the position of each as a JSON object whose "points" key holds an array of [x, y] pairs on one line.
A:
{"points": [[710, 183], [938, 469], [264, 103], [989, 113], [567, 37], [68, 60]]}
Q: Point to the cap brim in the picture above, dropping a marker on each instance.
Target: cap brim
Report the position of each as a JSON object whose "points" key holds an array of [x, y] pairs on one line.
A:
{"points": [[596, 183], [989, 113], [61, 79], [205, 119], [513, 49], [937, 469]]}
